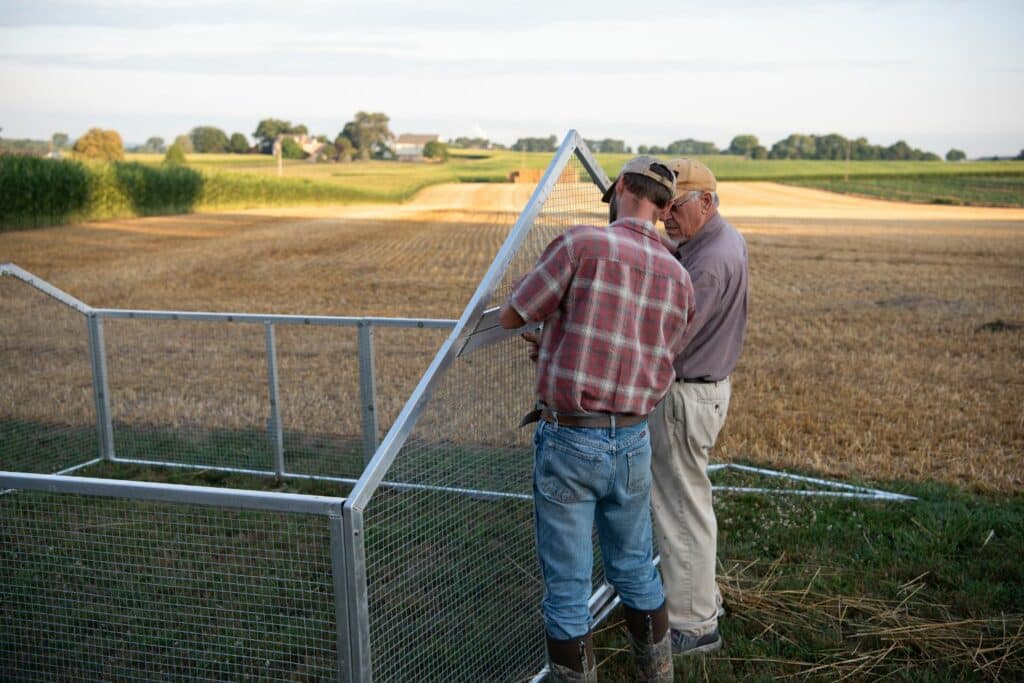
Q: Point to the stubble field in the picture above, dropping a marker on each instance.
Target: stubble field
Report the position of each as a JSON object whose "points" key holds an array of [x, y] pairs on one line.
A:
{"points": [[885, 340], [886, 346]]}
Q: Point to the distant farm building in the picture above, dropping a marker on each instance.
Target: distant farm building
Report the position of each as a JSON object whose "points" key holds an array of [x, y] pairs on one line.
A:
{"points": [[308, 144], [409, 146]]}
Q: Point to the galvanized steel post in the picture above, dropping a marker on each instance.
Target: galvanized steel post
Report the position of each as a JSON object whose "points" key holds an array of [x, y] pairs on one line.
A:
{"points": [[340, 575], [100, 385], [276, 435], [368, 389], [358, 597]]}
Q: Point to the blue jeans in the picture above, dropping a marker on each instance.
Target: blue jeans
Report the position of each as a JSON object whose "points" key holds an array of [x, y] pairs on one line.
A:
{"points": [[583, 476]]}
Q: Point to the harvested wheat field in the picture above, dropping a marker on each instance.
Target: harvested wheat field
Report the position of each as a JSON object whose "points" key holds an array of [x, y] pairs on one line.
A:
{"points": [[886, 340]]}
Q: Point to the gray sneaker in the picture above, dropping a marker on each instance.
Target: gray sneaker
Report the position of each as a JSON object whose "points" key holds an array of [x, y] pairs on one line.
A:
{"points": [[683, 644]]}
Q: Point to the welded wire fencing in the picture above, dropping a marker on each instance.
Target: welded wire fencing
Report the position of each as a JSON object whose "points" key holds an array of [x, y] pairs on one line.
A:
{"points": [[110, 585], [426, 571], [307, 396], [47, 400], [450, 556]]}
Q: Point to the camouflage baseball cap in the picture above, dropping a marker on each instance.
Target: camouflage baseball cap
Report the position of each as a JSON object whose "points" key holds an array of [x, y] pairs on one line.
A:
{"points": [[643, 165], [692, 175]]}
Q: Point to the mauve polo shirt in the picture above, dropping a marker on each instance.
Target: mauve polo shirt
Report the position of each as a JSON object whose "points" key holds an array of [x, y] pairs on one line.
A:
{"points": [[716, 259]]}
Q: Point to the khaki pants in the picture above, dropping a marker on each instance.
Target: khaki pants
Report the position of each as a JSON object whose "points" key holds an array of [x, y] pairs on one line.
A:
{"points": [[684, 427]]}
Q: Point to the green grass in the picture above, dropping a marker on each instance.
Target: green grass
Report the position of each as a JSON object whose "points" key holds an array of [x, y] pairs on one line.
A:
{"points": [[815, 587], [931, 590], [388, 181], [962, 189], [41, 192]]}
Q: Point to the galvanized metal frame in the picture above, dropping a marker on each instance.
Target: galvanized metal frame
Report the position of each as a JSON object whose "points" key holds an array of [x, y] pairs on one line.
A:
{"points": [[468, 324], [368, 389], [100, 386], [476, 328], [839, 489], [276, 431], [271, 501], [45, 287], [267, 501], [474, 324], [260, 318]]}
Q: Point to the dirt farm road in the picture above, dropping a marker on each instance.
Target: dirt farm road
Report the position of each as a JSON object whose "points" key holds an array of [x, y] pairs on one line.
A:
{"points": [[739, 200]]}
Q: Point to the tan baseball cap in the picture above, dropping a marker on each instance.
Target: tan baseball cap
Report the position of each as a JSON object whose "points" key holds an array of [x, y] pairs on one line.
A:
{"points": [[641, 165], [692, 175]]}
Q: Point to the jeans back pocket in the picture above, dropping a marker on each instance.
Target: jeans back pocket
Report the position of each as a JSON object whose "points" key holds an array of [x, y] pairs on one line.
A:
{"points": [[570, 470]]}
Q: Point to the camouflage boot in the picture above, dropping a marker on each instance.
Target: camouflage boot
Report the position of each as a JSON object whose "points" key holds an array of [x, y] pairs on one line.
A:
{"points": [[651, 642], [572, 661]]}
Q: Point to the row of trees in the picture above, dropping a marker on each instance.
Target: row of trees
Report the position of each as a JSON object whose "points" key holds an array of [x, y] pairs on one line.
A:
{"points": [[800, 146], [368, 136], [474, 143]]}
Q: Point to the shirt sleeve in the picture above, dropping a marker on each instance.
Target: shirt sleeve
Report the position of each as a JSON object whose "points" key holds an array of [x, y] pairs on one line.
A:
{"points": [[537, 294], [707, 290]]}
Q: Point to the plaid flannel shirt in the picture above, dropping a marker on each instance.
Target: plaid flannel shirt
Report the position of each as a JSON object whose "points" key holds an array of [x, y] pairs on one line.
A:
{"points": [[615, 305]]}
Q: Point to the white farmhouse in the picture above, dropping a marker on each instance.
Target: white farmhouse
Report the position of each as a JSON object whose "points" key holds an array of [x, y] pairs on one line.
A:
{"points": [[409, 146], [309, 145]]}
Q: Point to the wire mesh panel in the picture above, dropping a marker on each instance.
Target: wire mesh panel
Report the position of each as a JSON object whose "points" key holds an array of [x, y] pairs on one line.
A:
{"points": [[453, 585], [101, 589], [189, 392], [47, 407], [402, 356], [320, 407], [322, 411]]}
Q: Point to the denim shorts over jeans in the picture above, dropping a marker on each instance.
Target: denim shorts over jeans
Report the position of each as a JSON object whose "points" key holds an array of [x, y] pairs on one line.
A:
{"points": [[583, 476]]}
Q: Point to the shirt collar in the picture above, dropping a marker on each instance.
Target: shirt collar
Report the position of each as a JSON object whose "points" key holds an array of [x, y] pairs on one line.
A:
{"points": [[710, 229], [645, 228]]}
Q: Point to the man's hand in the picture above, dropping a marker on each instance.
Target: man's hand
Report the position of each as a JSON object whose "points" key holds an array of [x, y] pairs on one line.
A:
{"points": [[533, 344], [509, 318]]}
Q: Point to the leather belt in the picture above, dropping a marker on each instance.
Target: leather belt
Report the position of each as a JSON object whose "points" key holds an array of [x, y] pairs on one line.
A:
{"points": [[595, 421]]}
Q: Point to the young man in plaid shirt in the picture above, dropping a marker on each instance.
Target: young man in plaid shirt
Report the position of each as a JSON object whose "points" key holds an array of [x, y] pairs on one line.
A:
{"points": [[615, 304]]}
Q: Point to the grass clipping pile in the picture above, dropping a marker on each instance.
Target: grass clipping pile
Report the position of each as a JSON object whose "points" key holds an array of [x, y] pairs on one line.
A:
{"points": [[873, 637], [879, 635]]}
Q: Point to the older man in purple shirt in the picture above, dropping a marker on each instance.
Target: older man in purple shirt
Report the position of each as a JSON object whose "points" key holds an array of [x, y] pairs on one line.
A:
{"points": [[687, 422]]}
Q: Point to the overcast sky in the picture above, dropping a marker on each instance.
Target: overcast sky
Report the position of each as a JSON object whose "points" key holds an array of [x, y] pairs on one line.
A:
{"points": [[937, 74]]}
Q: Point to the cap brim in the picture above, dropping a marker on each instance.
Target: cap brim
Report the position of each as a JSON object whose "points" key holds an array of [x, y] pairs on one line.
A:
{"points": [[607, 196]]}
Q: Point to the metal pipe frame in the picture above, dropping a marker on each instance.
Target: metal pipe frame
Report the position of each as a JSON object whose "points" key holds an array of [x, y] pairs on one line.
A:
{"points": [[478, 494], [257, 318], [100, 386], [273, 501], [373, 475], [340, 581], [378, 466], [368, 389], [474, 329], [276, 432], [269, 501], [847, 490], [45, 287]]}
